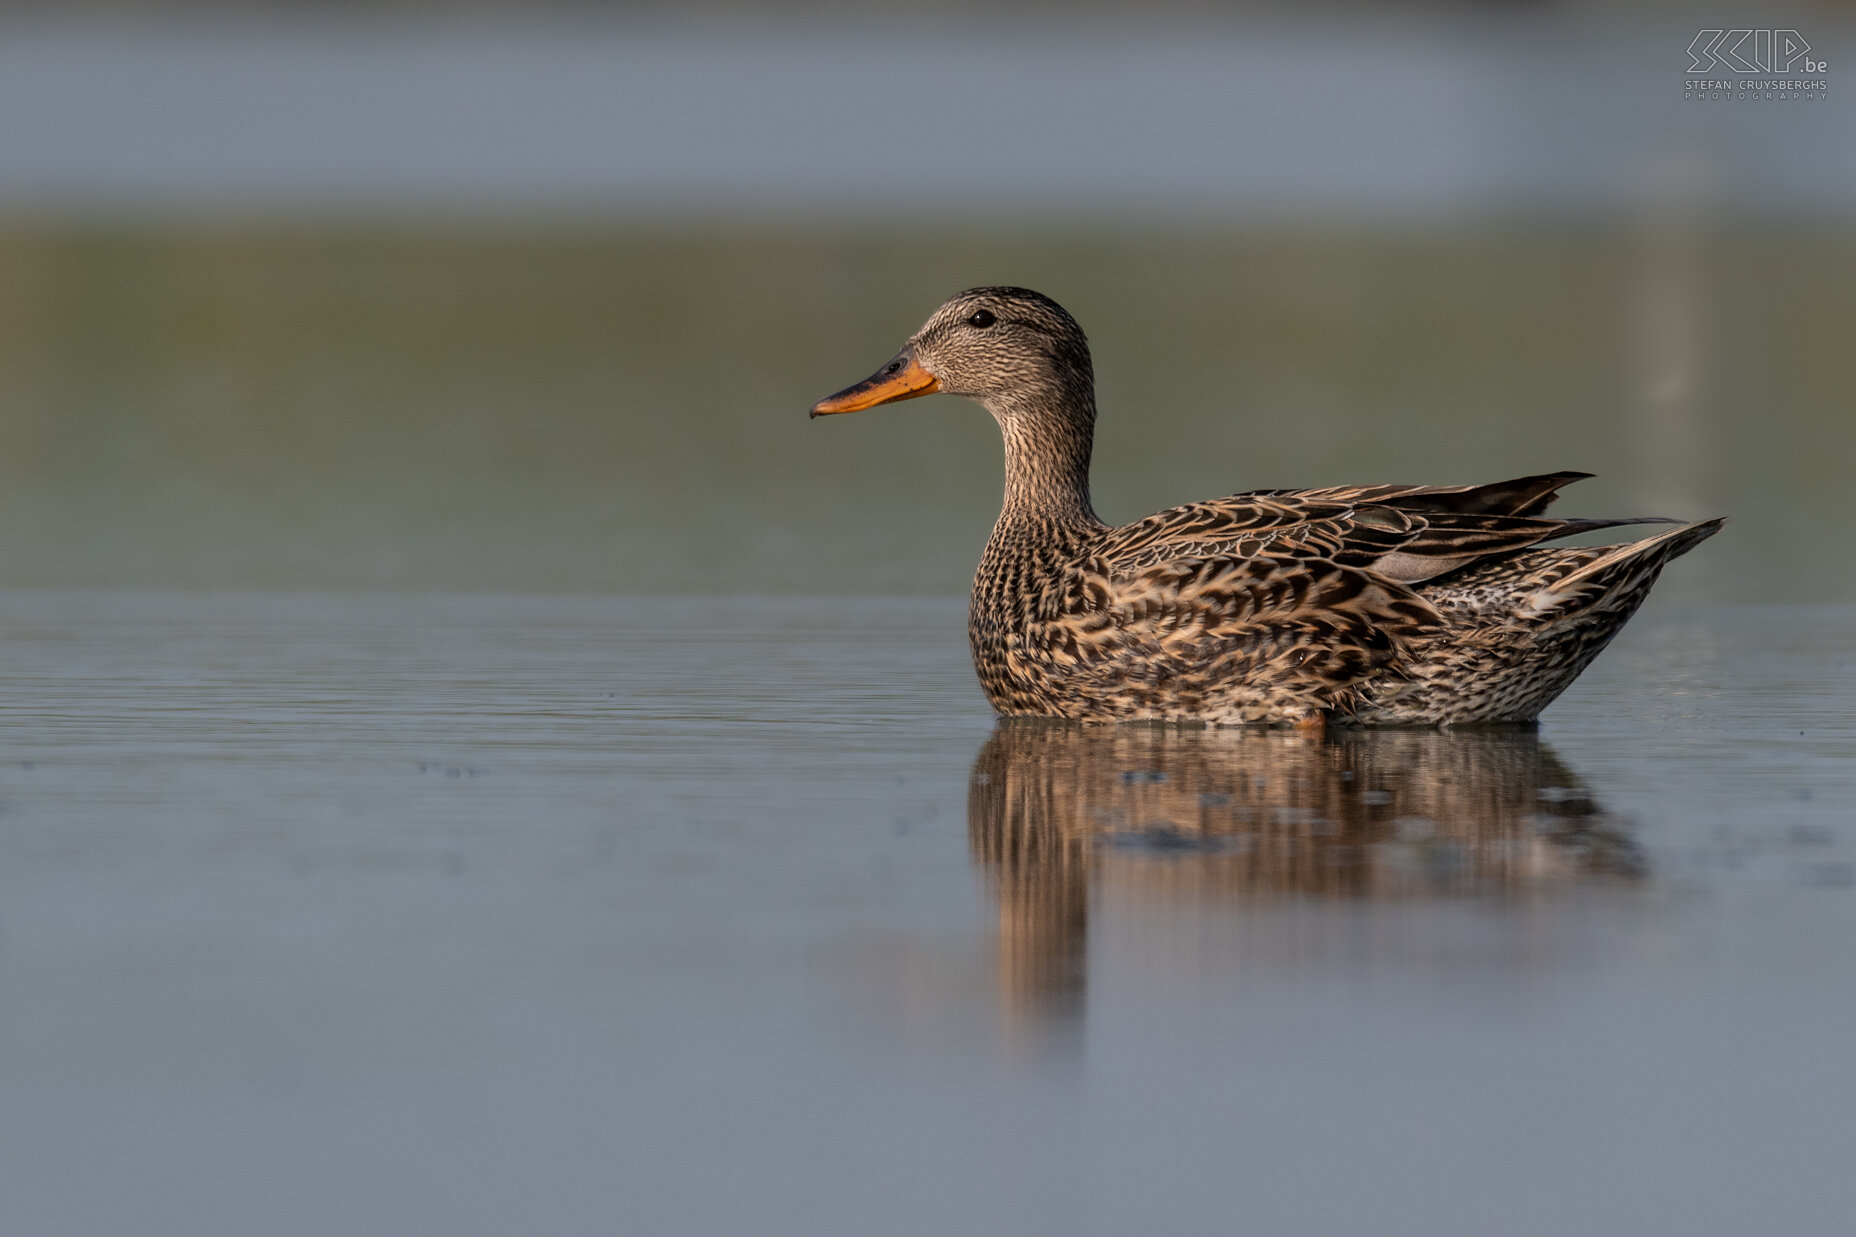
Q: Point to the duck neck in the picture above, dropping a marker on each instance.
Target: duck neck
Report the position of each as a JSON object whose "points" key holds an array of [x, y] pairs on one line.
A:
{"points": [[1047, 445]]}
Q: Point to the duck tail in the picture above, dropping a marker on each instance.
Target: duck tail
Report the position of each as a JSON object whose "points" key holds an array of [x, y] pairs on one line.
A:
{"points": [[1518, 630], [1619, 576]]}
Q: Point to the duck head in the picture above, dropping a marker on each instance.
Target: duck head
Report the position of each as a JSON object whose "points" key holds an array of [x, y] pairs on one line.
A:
{"points": [[1012, 350]]}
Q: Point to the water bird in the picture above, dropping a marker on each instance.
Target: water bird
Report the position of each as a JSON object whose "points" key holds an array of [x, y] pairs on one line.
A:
{"points": [[1352, 604]]}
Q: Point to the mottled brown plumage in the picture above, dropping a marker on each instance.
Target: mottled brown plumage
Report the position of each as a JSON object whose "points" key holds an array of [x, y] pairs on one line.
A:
{"points": [[1371, 604]]}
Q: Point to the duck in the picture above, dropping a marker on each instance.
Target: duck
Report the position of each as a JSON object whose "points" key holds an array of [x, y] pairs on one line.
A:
{"points": [[1380, 604]]}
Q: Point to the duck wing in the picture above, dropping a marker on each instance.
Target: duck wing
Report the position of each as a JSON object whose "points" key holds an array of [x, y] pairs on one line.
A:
{"points": [[1266, 605], [1521, 496], [1405, 533]]}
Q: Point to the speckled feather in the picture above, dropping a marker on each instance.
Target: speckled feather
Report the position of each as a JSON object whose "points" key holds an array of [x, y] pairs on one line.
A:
{"points": [[1375, 604]]}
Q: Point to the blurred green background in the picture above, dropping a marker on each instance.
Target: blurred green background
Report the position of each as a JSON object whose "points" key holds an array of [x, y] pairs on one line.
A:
{"points": [[623, 408], [443, 296]]}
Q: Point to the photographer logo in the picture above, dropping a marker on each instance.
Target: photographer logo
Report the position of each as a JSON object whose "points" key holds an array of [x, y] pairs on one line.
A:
{"points": [[1766, 66]]}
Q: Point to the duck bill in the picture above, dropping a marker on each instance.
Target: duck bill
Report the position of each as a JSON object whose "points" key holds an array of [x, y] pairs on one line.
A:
{"points": [[901, 379]]}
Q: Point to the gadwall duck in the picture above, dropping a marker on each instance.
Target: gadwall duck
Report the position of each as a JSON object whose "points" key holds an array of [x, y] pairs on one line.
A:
{"points": [[1370, 604]]}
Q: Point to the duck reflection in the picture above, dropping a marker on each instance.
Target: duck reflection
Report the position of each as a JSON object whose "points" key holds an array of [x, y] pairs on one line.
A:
{"points": [[1057, 808]]}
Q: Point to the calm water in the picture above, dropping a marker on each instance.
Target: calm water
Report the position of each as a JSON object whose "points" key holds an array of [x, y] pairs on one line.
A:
{"points": [[460, 915], [355, 880]]}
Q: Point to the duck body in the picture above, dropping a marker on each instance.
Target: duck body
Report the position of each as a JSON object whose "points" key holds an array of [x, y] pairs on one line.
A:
{"points": [[1377, 604], [1274, 607]]}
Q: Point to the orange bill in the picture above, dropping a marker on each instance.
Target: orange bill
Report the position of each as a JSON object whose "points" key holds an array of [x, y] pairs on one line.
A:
{"points": [[901, 379]]}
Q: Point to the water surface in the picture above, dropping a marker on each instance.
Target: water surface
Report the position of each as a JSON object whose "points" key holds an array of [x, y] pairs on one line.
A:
{"points": [[466, 914]]}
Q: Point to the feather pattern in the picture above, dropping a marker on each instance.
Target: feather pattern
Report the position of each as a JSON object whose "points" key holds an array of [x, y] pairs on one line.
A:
{"points": [[1379, 604]]}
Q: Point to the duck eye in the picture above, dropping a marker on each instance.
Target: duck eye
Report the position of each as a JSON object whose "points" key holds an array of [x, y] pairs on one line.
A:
{"points": [[981, 319]]}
